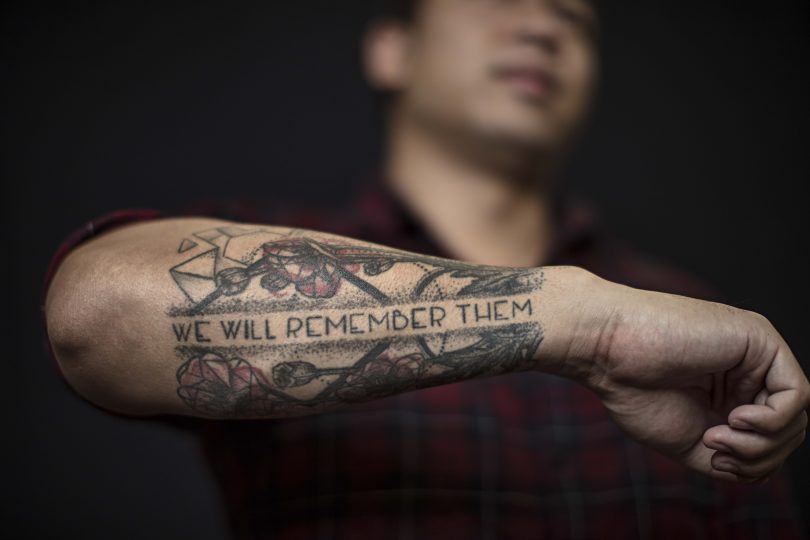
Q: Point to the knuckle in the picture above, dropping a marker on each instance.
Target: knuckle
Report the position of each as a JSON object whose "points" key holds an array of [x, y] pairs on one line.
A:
{"points": [[759, 319], [781, 422], [805, 397], [759, 469], [751, 453], [774, 426]]}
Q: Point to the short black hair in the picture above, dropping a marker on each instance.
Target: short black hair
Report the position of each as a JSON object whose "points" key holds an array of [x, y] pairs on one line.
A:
{"points": [[398, 10]]}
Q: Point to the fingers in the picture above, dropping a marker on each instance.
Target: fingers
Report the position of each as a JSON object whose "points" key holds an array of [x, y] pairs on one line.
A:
{"points": [[761, 435], [750, 456], [732, 477], [784, 398], [759, 469], [751, 445], [761, 397], [771, 417]]}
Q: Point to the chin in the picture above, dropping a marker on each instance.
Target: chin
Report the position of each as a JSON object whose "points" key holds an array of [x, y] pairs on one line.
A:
{"points": [[517, 126], [519, 134]]}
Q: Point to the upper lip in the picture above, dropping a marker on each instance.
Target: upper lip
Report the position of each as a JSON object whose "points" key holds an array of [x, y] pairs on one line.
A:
{"points": [[507, 70]]}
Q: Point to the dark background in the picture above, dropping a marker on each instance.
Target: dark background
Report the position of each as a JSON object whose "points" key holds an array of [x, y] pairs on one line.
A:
{"points": [[696, 154]]}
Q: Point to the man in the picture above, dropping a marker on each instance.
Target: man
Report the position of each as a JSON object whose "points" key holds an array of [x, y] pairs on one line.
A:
{"points": [[366, 370]]}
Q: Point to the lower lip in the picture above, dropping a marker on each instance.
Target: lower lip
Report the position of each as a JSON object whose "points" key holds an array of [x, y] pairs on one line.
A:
{"points": [[528, 86]]}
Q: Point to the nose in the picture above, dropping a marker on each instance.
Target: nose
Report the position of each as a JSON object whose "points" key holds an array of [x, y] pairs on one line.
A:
{"points": [[535, 23]]}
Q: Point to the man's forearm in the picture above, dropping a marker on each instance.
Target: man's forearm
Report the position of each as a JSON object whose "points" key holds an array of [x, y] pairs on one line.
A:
{"points": [[208, 318], [215, 319]]}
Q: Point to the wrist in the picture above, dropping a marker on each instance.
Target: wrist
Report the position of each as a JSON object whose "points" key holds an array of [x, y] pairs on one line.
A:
{"points": [[577, 321]]}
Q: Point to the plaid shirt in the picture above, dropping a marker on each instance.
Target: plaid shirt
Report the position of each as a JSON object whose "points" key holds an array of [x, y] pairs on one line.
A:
{"points": [[518, 456]]}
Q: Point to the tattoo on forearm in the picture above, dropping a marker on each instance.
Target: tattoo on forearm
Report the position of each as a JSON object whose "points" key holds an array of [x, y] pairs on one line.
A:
{"points": [[285, 323]]}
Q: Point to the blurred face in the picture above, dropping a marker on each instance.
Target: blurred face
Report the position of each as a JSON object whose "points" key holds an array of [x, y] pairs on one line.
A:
{"points": [[519, 71]]}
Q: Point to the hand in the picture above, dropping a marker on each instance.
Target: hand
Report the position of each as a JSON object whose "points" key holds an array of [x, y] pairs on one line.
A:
{"points": [[714, 387]]}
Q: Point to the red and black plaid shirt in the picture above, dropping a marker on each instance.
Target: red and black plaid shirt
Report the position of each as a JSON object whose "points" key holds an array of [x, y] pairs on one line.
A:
{"points": [[524, 455]]}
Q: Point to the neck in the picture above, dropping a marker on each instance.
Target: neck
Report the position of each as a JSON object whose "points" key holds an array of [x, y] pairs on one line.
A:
{"points": [[496, 212]]}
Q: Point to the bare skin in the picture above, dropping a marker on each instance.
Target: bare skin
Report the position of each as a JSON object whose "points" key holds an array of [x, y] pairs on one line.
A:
{"points": [[215, 319], [488, 97], [157, 319]]}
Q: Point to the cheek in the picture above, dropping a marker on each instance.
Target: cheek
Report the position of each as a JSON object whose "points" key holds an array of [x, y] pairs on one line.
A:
{"points": [[446, 83], [579, 83], [448, 62]]}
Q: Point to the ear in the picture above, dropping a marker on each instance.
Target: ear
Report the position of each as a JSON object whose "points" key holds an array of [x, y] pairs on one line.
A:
{"points": [[385, 55]]}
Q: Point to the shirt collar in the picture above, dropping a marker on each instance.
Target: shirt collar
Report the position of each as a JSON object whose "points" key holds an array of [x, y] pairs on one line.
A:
{"points": [[386, 220]]}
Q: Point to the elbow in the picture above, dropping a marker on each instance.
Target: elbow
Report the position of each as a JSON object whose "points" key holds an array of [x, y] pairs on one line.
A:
{"points": [[84, 329]]}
